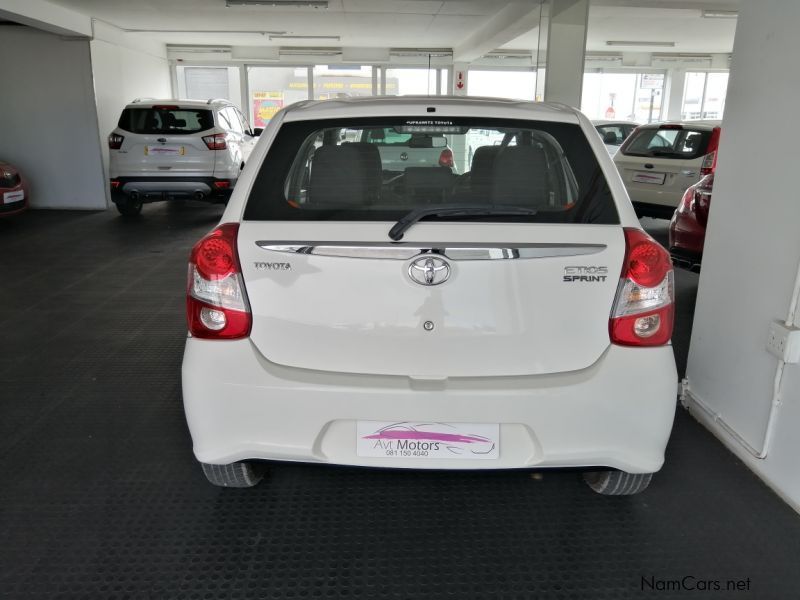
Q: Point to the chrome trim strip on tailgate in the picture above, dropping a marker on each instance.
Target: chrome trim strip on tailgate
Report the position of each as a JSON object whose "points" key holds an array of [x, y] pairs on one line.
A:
{"points": [[453, 251]]}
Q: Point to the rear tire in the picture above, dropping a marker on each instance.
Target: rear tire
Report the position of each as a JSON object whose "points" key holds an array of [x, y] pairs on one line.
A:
{"points": [[235, 475], [617, 483], [128, 207]]}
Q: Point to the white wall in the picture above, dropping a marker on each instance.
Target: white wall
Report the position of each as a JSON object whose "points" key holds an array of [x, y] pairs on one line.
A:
{"points": [[124, 70], [49, 124], [752, 249]]}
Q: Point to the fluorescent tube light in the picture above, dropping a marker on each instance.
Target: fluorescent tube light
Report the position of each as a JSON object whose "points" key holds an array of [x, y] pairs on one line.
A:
{"points": [[720, 14], [335, 38], [640, 43], [279, 3]]}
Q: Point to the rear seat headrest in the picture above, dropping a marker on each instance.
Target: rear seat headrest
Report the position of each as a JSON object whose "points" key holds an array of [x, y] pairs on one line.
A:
{"points": [[483, 165], [348, 175], [521, 176]]}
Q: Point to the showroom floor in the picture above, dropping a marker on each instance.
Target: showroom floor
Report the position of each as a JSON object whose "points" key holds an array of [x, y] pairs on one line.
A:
{"points": [[100, 497]]}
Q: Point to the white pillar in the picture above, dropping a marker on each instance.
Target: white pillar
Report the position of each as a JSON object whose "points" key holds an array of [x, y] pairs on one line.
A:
{"points": [[676, 84], [566, 49], [752, 251]]}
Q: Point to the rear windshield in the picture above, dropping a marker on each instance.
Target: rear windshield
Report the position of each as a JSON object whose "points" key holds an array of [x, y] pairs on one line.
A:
{"points": [[379, 169], [174, 121], [668, 143]]}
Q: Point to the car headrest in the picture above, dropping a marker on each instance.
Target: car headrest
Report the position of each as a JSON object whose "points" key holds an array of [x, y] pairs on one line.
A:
{"points": [[483, 165], [610, 137], [346, 175], [691, 143], [521, 176]]}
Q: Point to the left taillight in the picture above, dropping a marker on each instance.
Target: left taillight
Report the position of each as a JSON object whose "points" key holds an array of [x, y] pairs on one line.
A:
{"points": [[215, 142], [644, 309], [216, 301], [115, 141]]}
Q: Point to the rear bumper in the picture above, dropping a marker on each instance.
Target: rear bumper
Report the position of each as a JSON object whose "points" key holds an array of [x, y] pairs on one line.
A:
{"points": [[154, 189], [617, 413], [13, 200]]}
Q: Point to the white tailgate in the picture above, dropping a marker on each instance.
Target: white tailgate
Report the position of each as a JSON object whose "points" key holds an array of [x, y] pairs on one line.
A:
{"points": [[490, 318], [664, 183], [163, 155]]}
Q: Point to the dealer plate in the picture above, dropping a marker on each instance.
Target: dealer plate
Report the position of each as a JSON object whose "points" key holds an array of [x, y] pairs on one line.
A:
{"points": [[15, 196], [646, 177], [408, 439], [164, 150]]}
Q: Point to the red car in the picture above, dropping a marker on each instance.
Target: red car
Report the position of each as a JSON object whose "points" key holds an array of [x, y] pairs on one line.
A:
{"points": [[13, 191], [687, 229]]}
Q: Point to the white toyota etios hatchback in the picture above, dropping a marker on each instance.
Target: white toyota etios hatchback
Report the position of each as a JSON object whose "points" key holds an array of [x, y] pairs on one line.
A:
{"points": [[506, 312]]}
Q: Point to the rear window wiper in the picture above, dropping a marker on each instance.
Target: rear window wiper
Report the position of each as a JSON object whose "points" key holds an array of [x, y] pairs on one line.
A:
{"points": [[450, 210]]}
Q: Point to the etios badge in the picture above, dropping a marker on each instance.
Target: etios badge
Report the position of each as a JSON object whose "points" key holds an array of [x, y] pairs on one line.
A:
{"points": [[429, 270]]}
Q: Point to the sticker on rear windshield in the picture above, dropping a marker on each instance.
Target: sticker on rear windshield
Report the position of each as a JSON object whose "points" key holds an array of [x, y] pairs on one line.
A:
{"points": [[587, 274]]}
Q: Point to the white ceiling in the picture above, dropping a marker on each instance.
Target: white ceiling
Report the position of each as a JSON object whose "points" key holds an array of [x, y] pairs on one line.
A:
{"points": [[407, 23]]}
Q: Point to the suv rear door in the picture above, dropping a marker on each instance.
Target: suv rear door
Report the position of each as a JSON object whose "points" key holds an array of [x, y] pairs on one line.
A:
{"points": [[658, 163], [330, 291], [165, 140]]}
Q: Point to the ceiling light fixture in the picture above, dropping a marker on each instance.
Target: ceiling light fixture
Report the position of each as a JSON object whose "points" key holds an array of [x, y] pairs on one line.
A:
{"points": [[432, 52], [335, 38], [214, 31], [279, 3], [310, 52], [640, 43], [720, 14]]}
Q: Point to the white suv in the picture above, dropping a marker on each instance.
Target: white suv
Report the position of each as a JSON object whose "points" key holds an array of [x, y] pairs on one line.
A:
{"points": [[170, 149], [514, 316]]}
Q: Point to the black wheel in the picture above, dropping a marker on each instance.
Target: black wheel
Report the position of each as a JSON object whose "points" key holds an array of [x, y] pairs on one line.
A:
{"points": [[617, 483], [128, 207], [235, 475]]}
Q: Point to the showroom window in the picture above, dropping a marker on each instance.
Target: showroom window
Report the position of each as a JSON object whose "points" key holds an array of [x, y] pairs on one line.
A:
{"points": [[342, 81], [623, 96], [202, 83], [704, 95], [415, 81], [269, 89], [502, 84]]}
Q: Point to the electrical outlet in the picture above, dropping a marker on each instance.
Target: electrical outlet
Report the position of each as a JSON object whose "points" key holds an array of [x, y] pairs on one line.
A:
{"points": [[784, 342]]}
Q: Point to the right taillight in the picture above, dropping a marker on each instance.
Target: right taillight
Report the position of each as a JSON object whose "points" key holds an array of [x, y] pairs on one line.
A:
{"points": [[215, 142], [216, 301], [644, 309], [115, 141], [710, 159]]}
